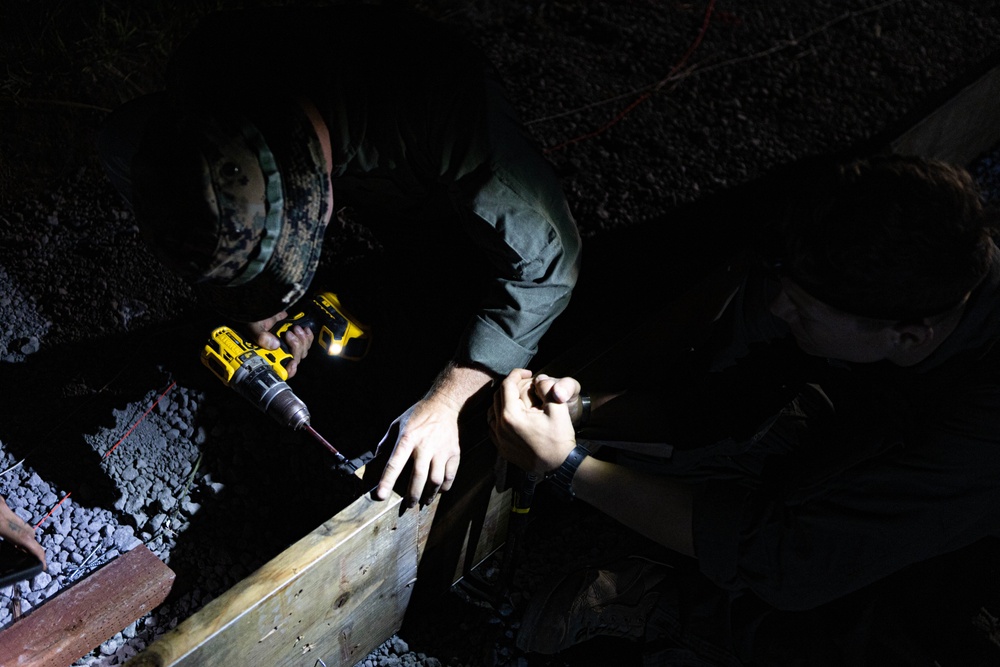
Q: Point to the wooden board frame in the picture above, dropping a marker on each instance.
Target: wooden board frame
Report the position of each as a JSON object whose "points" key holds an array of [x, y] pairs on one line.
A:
{"points": [[334, 594], [961, 128], [343, 589]]}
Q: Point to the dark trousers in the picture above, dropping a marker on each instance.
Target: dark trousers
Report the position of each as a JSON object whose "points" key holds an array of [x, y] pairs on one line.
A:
{"points": [[941, 612]]}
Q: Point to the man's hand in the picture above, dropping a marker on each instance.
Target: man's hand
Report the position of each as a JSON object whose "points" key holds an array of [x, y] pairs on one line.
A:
{"points": [[13, 528], [560, 390], [298, 339], [531, 429], [534, 432], [429, 437]]}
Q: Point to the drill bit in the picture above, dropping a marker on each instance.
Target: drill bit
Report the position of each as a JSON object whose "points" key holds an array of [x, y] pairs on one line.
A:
{"points": [[340, 457]]}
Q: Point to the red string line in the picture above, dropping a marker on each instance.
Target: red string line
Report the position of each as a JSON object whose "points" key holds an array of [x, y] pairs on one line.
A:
{"points": [[53, 510], [645, 96], [148, 410], [108, 453]]}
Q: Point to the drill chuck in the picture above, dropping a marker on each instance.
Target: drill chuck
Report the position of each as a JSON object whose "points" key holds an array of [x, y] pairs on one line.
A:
{"points": [[256, 381], [256, 374]]}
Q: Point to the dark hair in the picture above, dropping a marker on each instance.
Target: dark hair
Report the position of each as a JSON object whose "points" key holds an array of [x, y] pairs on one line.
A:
{"points": [[889, 237]]}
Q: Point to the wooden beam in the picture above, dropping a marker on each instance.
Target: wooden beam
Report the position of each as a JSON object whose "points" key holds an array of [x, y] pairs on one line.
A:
{"points": [[334, 595], [70, 624], [960, 129], [471, 520]]}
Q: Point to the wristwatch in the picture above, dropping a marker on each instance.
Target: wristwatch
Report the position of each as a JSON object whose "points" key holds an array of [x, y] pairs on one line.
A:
{"points": [[562, 477]]}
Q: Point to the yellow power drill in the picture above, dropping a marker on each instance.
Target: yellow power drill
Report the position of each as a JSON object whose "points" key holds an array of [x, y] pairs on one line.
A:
{"points": [[260, 376]]}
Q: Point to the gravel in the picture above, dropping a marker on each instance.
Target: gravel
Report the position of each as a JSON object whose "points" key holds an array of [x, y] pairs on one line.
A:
{"points": [[108, 417]]}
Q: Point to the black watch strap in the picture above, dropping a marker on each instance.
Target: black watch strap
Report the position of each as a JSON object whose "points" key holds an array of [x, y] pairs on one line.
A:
{"points": [[562, 477]]}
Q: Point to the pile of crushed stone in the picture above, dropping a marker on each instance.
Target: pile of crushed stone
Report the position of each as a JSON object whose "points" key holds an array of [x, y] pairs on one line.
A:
{"points": [[169, 469]]}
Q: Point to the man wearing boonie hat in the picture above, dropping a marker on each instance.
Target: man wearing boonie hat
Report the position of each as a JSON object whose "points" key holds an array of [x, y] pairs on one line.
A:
{"points": [[272, 120]]}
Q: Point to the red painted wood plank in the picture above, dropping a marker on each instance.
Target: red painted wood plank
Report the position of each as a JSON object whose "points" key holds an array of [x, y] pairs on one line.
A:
{"points": [[70, 624]]}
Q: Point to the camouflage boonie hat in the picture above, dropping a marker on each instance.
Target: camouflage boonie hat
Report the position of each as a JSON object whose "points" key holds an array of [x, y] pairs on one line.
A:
{"points": [[237, 206]]}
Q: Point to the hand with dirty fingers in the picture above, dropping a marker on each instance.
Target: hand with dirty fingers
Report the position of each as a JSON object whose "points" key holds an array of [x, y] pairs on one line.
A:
{"points": [[428, 436], [14, 529], [297, 339]]}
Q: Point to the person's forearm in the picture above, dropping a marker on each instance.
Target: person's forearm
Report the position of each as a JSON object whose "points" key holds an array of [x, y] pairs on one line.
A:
{"points": [[457, 384], [655, 506]]}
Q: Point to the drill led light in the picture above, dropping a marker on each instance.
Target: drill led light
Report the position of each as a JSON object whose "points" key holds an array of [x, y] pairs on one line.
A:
{"points": [[335, 349]]}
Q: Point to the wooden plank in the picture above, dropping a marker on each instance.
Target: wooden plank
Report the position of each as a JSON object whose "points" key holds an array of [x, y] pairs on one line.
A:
{"points": [[960, 129], [70, 624], [343, 589], [493, 531], [470, 523], [336, 594]]}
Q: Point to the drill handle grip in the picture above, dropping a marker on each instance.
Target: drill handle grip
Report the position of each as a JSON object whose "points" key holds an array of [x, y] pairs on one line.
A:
{"points": [[524, 494], [304, 320], [335, 332]]}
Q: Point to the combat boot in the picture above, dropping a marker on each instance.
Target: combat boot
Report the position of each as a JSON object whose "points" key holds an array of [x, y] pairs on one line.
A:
{"points": [[615, 601]]}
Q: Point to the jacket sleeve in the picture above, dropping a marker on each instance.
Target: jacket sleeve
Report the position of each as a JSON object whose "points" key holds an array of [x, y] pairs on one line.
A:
{"points": [[889, 499], [519, 217]]}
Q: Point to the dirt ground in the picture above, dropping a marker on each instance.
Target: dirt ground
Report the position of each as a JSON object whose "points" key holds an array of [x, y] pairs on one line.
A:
{"points": [[643, 106]]}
